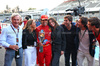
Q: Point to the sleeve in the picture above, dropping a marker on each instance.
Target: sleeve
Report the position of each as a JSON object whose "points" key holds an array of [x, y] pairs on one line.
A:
{"points": [[94, 38], [63, 46], [24, 40], [74, 30], [35, 36], [3, 38], [37, 32]]}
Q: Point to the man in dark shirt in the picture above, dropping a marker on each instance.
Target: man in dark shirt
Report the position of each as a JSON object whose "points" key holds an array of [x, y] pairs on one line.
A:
{"points": [[70, 30]]}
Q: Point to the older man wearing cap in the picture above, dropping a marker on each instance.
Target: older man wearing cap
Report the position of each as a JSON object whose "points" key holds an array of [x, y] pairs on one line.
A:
{"points": [[43, 39]]}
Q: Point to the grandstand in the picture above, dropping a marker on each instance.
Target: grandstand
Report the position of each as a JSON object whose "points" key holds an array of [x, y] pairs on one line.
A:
{"points": [[92, 8], [69, 4]]}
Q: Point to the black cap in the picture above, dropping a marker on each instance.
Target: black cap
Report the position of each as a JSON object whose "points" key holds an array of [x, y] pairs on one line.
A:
{"points": [[27, 18]]}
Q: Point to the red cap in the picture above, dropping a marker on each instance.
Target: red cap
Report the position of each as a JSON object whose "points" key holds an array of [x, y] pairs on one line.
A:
{"points": [[44, 17]]}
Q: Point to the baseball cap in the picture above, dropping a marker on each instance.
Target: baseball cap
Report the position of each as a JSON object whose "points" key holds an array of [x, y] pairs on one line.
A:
{"points": [[44, 17]]}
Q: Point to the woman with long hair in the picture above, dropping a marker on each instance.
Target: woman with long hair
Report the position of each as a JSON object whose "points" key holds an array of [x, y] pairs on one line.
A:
{"points": [[29, 43], [58, 41]]}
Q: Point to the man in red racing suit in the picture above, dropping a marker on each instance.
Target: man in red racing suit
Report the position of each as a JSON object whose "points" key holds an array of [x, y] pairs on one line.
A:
{"points": [[45, 31]]}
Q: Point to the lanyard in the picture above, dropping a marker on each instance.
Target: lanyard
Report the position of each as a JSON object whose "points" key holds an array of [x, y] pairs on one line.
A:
{"points": [[82, 35], [17, 40]]}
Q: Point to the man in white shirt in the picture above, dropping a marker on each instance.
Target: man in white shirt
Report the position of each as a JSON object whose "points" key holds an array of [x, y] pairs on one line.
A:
{"points": [[11, 39], [85, 40]]}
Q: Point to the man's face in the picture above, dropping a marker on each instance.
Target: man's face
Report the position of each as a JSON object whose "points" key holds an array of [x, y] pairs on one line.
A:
{"points": [[15, 21], [44, 22], [37, 20], [67, 22], [80, 25], [89, 26]]}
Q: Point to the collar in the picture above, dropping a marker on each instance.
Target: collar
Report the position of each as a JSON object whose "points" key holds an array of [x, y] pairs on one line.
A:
{"points": [[44, 26], [14, 27]]}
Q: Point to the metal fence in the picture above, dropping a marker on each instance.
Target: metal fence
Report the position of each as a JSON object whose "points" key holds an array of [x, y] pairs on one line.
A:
{"points": [[60, 18]]}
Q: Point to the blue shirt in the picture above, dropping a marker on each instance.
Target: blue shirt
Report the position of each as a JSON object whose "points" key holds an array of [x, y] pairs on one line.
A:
{"points": [[37, 24], [8, 36]]}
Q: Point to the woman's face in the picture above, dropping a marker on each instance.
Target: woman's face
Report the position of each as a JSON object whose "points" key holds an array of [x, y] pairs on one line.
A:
{"points": [[51, 23], [33, 25]]}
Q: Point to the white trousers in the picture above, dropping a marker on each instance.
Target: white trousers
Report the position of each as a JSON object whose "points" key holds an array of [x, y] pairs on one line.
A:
{"points": [[30, 56], [81, 56]]}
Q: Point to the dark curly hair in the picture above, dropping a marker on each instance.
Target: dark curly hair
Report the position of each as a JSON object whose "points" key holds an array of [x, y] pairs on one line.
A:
{"points": [[84, 21], [94, 22]]}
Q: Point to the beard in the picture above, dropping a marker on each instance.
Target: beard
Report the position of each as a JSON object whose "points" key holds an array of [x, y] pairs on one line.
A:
{"points": [[44, 24], [67, 25]]}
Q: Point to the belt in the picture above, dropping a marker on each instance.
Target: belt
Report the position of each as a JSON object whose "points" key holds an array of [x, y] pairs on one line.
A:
{"points": [[11, 49], [46, 45], [31, 45]]}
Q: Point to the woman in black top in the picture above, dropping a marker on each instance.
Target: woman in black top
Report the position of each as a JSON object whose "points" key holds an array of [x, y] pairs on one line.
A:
{"points": [[29, 43], [58, 41]]}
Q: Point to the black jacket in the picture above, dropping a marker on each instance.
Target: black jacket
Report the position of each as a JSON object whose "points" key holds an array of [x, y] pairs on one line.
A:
{"points": [[70, 38], [91, 37], [58, 39], [28, 38]]}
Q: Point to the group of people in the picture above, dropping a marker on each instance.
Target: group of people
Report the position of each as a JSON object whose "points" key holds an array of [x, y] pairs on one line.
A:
{"points": [[47, 42]]}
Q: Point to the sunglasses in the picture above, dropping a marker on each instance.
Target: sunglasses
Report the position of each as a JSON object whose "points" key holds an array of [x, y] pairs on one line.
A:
{"points": [[66, 20], [44, 20]]}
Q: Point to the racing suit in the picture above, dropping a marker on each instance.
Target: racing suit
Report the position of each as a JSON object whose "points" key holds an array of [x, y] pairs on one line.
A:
{"points": [[45, 56]]}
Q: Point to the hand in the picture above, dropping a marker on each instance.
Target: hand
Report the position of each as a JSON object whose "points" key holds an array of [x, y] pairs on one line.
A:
{"points": [[76, 24], [40, 44], [14, 47], [63, 23], [62, 52], [94, 40]]}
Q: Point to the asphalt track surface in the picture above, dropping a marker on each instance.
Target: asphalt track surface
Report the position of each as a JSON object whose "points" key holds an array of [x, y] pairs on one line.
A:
{"points": [[2, 54]]}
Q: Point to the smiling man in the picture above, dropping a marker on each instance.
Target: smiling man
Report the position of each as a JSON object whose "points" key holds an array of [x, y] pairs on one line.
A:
{"points": [[85, 41], [44, 33], [11, 39], [70, 30], [94, 25]]}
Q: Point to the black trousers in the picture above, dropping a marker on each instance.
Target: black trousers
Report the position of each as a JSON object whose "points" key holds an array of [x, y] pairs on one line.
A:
{"points": [[55, 58], [73, 55]]}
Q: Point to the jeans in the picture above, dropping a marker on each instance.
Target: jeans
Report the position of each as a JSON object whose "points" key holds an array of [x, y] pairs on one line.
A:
{"points": [[10, 54], [73, 55]]}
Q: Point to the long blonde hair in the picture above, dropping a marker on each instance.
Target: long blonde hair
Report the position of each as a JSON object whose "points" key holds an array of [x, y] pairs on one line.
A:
{"points": [[27, 26]]}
